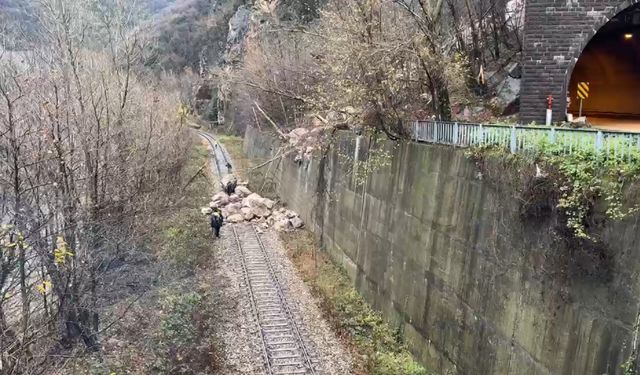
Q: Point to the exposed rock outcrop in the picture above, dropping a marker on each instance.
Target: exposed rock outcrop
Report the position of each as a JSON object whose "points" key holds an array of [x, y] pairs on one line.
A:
{"points": [[238, 28]]}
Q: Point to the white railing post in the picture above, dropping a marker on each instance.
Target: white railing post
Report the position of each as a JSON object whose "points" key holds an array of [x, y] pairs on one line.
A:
{"points": [[599, 140], [518, 139], [435, 132], [455, 134], [513, 145]]}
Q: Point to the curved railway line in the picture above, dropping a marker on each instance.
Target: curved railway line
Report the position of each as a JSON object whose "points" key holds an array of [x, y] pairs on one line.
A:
{"points": [[223, 163], [287, 350]]}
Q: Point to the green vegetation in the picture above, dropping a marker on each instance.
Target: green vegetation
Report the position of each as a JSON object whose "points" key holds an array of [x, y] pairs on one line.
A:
{"points": [[176, 326], [590, 178], [629, 367], [369, 161], [184, 344], [379, 347], [580, 183], [184, 239], [230, 141], [559, 140]]}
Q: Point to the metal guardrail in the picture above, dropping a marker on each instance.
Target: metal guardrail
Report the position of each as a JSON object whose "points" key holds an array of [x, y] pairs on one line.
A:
{"points": [[528, 138]]}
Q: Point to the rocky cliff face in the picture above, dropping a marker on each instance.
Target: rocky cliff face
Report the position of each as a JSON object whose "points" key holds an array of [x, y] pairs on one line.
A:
{"points": [[238, 29]]}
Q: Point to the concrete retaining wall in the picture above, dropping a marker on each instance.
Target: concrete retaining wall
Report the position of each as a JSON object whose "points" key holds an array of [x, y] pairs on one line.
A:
{"points": [[448, 258]]}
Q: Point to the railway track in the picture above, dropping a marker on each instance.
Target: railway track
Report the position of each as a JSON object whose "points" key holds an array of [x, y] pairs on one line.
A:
{"points": [[286, 347], [223, 164]]}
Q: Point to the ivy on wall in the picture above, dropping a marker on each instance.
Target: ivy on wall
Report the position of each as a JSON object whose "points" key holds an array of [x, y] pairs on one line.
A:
{"points": [[579, 183]]}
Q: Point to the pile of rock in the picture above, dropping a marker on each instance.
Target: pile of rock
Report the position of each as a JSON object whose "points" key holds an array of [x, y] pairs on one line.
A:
{"points": [[244, 206], [284, 220], [306, 141]]}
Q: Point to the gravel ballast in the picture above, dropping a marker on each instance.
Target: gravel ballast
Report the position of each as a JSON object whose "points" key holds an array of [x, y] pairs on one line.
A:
{"points": [[240, 336]]}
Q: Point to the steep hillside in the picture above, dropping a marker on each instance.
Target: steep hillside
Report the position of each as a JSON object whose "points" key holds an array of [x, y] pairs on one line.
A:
{"points": [[183, 33], [375, 64], [16, 18], [191, 34]]}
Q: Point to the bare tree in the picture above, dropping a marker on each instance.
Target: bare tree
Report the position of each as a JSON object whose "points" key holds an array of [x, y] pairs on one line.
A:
{"points": [[88, 147]]}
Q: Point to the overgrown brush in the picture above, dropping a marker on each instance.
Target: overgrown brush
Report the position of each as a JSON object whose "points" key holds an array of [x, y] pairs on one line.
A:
{"points": [[379, 346]]}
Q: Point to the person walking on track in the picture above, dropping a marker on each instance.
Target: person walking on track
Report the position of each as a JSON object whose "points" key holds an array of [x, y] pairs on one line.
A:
{"points": [[216, 221]]}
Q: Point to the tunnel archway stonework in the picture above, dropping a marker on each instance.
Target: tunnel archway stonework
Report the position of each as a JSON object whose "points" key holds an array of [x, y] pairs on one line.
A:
{"points": [[556, 32]]}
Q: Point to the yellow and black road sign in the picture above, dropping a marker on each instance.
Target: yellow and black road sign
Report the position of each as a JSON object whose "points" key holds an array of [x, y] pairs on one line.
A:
{"points": [[583, 90]]}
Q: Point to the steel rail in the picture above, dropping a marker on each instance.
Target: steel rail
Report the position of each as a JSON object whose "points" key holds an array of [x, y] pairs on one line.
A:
{"points": [[213, 144], [271, 309]]}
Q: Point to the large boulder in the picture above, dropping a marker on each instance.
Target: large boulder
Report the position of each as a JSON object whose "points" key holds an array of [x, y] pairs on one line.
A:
{"points": [[269, 203], [220, 200], [282, 225], [260, 211], [505, 84], [255, 199], [238, 28], [245, 203], [260, 207], [238, 25], [235, 218], [271, 220], [316, 131], [298, 132], [247, 213], [242, 191], [508, 91], [296, 222], [277, 215], [290, 214], [232, 209], [234, 198]]}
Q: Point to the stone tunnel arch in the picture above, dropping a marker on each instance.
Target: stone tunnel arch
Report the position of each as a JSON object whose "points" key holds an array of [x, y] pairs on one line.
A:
{"points": [[609, 61], [555, 36]]}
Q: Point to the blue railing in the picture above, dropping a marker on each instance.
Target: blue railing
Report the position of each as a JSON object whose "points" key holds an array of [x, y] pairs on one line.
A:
{"points": [[528, 138]]}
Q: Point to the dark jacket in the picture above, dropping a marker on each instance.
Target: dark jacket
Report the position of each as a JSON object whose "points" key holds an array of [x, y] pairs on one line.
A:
{"points": [[216, 219]]}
